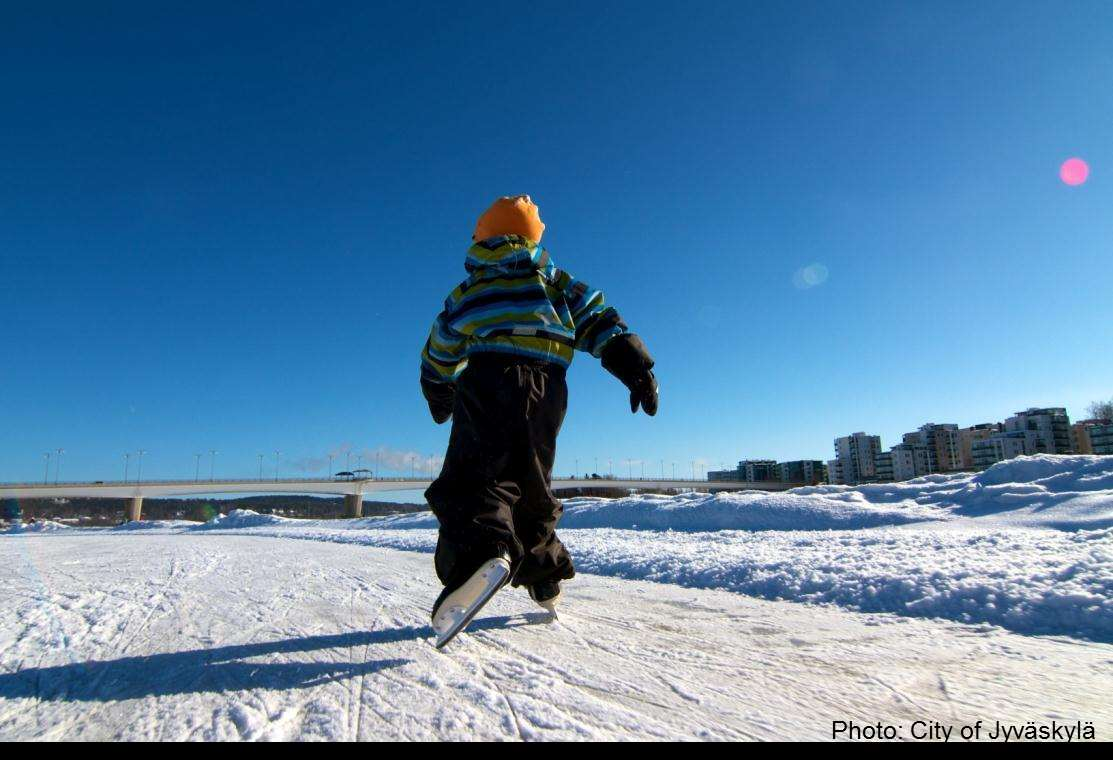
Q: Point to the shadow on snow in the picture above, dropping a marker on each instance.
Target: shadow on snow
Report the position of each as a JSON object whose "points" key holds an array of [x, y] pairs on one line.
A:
{"points": [[221, 669]]}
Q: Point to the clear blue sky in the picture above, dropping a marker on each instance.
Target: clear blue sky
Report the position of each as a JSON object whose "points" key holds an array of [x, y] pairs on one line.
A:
{"points": [[229, 226]]}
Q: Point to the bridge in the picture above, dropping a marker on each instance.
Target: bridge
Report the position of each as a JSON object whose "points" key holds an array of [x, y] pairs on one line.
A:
{"points": [[352, 490]]}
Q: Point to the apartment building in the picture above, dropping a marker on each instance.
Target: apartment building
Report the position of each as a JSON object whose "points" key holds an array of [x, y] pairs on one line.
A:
{"points": [[883, 465], [807, 471], [857, 454], [1093, 437], [911, 460], [1005, 445], [1052, 427], [967, 436]]}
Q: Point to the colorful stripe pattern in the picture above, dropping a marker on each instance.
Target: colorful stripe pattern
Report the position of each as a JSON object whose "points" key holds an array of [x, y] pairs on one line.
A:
{"points": [[516, 301]]}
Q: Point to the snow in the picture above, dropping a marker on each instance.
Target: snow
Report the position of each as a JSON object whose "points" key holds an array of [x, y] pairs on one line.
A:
{"points": [[179, 635], [740, 615], [1026, 545], [39, 526]]}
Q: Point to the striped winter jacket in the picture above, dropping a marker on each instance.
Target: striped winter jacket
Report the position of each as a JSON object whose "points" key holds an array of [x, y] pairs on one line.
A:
{"points": [[516, 301]]}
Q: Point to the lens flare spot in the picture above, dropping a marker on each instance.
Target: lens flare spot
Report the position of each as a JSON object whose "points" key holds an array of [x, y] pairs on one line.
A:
{"points": [[810, 276], [1074, 171]]}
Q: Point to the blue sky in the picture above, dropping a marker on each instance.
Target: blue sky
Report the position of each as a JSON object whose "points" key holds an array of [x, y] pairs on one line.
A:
{"points": [[229, 226]]}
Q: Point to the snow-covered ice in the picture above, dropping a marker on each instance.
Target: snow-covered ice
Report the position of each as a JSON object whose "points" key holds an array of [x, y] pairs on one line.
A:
{"points": [[682, 624], [204, 635]]}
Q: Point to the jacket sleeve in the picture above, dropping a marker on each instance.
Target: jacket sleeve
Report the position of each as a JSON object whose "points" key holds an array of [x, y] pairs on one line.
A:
{"points": [[444, 355], [595, 322]]}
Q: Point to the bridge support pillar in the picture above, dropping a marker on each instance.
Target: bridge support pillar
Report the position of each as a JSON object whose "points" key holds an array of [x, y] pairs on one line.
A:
{"points": [[133, 509], [353, 504]]}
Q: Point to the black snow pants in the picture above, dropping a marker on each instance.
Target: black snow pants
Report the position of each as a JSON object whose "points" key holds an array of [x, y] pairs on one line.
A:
{"points": [[493, 491]]}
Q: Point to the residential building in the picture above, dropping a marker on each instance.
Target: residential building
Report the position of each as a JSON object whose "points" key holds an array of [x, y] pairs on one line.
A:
{"points": [[1052, 427], [1006, 445], [1100, 435], [834, 472], [748, 471], [856, 454], [808, 471], [758, 470], [1082, 437], [944, 447], [911, 460], [968, 435], [883, 464]]}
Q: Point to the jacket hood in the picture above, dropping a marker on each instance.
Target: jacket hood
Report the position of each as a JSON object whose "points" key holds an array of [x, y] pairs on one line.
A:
{"points": [[506, 252]]}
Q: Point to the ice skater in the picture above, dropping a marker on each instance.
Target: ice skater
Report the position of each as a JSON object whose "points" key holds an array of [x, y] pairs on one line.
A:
{"points": [[495, 363]]}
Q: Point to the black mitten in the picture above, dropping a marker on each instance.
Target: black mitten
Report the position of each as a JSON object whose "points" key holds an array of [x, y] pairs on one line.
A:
{"points": [[441, 398], [626, 357]]}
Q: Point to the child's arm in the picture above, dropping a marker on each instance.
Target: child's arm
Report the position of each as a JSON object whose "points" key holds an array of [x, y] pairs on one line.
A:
{"points": [[601, 332], [442, 361]]}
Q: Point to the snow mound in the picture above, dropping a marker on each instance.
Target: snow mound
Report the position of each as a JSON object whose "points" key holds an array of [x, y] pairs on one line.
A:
{"points": [[1044, 491], [243, 518], [752, 510], [154, 525], [39, 526]]}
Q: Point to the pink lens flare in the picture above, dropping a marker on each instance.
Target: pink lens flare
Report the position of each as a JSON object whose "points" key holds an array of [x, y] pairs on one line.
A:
{"points": [[1074, 171]]}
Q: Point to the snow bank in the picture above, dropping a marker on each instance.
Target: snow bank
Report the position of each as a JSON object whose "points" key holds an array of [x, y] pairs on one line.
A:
{"points": [[153, 525], [1061, 492], [39, 526]]}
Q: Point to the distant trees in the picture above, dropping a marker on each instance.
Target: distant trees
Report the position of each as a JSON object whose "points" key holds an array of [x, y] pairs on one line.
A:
{"points": [[1101, 410]]}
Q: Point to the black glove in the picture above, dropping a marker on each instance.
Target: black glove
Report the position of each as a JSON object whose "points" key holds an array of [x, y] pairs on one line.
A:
{"points": [[626, 357], [441, 398]]}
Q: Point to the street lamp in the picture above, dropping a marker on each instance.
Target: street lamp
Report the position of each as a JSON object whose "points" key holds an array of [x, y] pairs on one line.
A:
{"points": [[127, 463], [329, 473], [139, 474], [46, 472], [196, 468], [260, 468], [212, 463], [58, 465], [277, 454]]}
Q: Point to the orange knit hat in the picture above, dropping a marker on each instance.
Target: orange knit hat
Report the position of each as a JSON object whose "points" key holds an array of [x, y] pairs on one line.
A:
{"points": [[516, 215]]}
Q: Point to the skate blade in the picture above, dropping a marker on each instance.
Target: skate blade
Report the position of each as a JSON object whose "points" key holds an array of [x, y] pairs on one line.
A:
{"points": [[551, 604], [462, 605]]}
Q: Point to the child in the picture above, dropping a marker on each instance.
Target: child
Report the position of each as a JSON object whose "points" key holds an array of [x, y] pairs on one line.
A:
{"points": [[495, 362]]}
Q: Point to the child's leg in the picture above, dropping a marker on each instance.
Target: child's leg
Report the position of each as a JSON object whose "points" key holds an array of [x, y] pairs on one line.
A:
{"points": [[473, 497], [537, 513]]}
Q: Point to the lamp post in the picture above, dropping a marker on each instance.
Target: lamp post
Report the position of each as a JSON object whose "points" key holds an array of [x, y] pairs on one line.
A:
{"points": [[46, 472], [260, 468], [127, 464], [277, 454], [212, 463], [330, 458], [139, 473], [58, 465], [196, 468]]}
